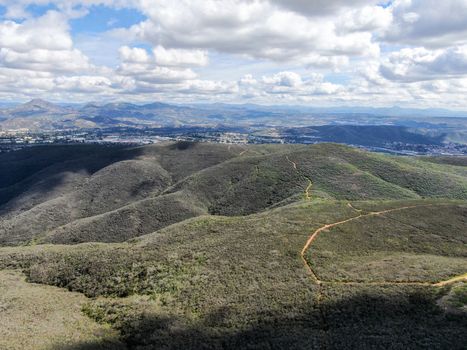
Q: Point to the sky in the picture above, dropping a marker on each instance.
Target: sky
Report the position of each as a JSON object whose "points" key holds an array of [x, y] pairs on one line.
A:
{"points": [[409, 53]]}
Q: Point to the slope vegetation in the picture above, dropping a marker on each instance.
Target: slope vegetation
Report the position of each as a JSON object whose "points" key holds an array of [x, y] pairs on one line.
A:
{"points": [[119, 193], [202, 246]]}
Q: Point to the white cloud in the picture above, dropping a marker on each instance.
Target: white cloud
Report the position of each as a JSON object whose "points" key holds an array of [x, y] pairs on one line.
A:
{"points": [[292, 84], [294, 51], [258, 29], [88, 84], [141, 66], [429, 23], [154, 74], [289, 79], [418, 64], [248, 80], [209, 87], [134, 55], [180, 57], [367, 19], [320, 7], [48, 32], [40, 44], [45, 60]]}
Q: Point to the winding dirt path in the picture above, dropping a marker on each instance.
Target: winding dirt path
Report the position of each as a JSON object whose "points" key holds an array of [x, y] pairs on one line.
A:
{"points": [[291, 162], [310, 183], [374, 213]]}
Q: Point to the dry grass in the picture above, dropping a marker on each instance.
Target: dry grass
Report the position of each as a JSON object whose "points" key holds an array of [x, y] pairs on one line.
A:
{"points": [[43, 317]]}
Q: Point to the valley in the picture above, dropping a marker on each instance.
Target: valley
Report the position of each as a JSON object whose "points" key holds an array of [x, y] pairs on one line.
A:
{"points": [[403, 132]]}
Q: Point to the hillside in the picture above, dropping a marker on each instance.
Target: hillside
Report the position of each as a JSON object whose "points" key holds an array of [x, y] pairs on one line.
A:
{"points": [[366, 135], [209, 246], [111, 194]]}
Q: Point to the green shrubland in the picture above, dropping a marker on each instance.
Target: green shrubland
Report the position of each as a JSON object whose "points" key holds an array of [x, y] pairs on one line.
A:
{"points": [[206, 253]]}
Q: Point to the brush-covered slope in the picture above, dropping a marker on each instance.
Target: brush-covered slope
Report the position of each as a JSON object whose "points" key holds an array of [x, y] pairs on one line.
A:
{"points": [[239, 282], [110, 194], [43, 194], [423, 242], [201, 246]]}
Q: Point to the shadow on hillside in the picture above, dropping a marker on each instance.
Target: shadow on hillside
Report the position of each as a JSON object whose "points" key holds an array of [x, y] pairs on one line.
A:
{"points": [[44, 167], [47, 172], [365, 321], [182, 145]]}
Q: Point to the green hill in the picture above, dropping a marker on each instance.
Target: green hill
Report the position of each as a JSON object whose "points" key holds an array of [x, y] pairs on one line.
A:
{"points": [[64, 201], [231, 251]]}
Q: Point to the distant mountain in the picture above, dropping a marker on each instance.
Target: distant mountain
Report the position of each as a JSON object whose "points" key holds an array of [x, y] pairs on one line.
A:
{"points": [[394, 111], [37, 107], [39, 115]]}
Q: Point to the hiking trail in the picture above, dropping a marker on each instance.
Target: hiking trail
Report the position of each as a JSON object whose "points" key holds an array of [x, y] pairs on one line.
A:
{"points": [[317, 232], [310, 183]]}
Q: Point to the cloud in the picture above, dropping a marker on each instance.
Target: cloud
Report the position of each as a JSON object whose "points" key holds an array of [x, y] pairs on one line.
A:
{"points": [[293, 84], [40, 44], [88, 84], [49, 32], [267, 51], [180, 57], [203, 87], [367, 19], [141, 66], [134, 55], [37, 56], [419, 64], [258, 29], [320, 7], [429, 23], [18, 9], [289, 79], [45, 60]]}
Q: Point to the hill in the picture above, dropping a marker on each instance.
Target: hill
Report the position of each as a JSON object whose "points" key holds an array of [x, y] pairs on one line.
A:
{"points": [[208, 246], [112, 194], [365, 135], [37, 107]]}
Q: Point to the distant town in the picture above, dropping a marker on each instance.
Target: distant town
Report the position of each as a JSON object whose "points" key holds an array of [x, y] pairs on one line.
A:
{"points": [[19, 139]]}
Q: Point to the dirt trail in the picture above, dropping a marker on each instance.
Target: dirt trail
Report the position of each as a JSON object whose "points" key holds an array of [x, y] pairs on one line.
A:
{"points": [[375, 213], [307, 190], [291, 162], [310, 183], [452, 280], [352, 207]]}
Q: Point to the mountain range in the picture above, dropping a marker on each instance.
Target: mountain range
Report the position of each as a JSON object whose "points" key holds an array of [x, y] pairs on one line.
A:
{"points": [[40, 115]]}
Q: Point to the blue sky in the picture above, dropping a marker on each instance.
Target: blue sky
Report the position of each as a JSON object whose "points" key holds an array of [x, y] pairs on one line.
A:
{"points": [[102, 18], [261, 51]]}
